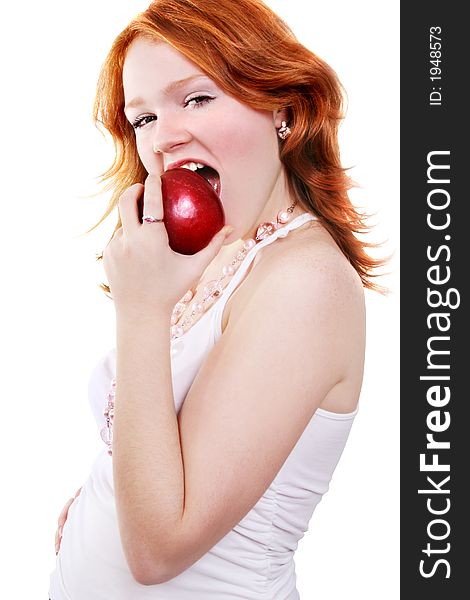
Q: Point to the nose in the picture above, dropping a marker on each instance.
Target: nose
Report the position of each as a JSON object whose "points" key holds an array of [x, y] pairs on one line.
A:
{"points": [[169, 134]]}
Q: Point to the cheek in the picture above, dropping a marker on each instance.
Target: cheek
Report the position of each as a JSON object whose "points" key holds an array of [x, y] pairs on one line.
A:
{"points": [[231, 140], [242, 136]]}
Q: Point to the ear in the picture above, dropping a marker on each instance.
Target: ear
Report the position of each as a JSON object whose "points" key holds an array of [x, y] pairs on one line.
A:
{"points": [[279, 115]]}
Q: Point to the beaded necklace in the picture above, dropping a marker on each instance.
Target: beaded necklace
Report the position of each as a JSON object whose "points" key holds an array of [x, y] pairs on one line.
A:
{"points": [[212, 290]]}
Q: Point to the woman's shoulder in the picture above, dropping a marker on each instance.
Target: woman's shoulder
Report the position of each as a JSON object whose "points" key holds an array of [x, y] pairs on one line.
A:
{"points": [[314, 259], [309, 271], [306, 301]]}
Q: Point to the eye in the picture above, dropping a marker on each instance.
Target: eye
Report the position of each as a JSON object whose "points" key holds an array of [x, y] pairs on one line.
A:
{"points": [[198, 101], [142, 121]]}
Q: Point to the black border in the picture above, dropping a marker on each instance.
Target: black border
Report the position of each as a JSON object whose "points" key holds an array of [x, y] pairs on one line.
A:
{"points": [[424, 129]]}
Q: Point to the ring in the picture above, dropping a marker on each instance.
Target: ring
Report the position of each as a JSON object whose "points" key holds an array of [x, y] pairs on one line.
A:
{"points": [[151, 219]]}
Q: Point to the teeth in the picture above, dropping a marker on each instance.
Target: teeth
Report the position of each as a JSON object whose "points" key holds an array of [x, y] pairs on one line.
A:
{"points": [[192, 166]]}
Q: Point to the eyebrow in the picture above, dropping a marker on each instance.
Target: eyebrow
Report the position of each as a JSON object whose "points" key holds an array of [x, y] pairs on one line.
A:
{"points": [[171, 87]]}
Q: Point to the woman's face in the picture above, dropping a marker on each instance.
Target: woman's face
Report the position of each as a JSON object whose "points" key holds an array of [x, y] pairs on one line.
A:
{"points": [[195, 120]]}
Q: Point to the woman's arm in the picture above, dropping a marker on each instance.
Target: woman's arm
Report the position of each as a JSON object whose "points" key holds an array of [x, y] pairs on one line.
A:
{"points": [[147, 460], [183, 483]]}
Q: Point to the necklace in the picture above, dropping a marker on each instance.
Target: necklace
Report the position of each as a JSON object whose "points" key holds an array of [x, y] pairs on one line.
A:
{"points": [[212, 290]]}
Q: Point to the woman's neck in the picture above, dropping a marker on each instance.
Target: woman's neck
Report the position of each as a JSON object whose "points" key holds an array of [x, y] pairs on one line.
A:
{"points": [[279, 201]]}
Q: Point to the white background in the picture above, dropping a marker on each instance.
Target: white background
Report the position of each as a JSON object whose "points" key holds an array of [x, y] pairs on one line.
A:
{"points": [[56, 323]]}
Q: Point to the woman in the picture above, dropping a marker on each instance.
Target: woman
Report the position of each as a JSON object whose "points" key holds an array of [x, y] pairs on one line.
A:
{"points": [[229, 397]]}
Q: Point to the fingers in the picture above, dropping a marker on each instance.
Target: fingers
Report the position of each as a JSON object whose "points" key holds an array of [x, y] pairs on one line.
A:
{"points": [[153, 204], [157, 165], [128, 209], [152, 199], [58, 538], [63, 514], [61, 522], [207, 254]]}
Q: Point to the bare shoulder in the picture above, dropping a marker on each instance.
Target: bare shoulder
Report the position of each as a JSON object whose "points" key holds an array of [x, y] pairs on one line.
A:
{"points": [[309, 271], [317, 263], [314, 300]]}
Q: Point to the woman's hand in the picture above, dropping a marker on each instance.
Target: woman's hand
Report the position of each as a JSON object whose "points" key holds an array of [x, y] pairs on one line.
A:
{"points": [[144, 273], [61, 521]]}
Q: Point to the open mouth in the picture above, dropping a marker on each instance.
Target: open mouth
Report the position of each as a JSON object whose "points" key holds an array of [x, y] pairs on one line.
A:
{"points": [[208, 173], [211, 176]]}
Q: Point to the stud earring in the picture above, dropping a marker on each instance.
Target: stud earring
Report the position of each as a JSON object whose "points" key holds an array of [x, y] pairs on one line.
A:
{"points": [[284, 131]]}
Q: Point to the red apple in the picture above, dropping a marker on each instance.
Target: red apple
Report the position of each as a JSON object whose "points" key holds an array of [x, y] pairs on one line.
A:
{"points": [[192, 210]]}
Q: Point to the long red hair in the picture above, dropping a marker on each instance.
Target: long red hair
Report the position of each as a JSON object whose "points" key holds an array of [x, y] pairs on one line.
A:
{"points": [[253, 55]]}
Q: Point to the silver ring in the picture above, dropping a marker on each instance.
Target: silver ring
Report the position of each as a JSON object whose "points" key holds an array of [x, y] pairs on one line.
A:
{"points": [[151, 219]]}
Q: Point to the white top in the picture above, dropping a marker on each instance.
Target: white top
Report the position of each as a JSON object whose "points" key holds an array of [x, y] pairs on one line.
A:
{"points": [[255, 560]]}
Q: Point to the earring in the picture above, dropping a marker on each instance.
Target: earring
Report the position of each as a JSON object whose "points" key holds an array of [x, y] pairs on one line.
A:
{"points": [[284, 131]]}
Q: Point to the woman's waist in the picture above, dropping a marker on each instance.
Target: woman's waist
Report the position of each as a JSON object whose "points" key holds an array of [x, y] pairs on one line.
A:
{"points": [[91, 557], [218, 575]]}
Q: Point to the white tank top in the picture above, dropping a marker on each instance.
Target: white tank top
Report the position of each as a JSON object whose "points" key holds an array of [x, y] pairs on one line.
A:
{"points": [[255, 560]]}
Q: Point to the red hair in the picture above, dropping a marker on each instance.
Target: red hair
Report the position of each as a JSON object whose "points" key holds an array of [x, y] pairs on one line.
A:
{"points": [[252, 55]]}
